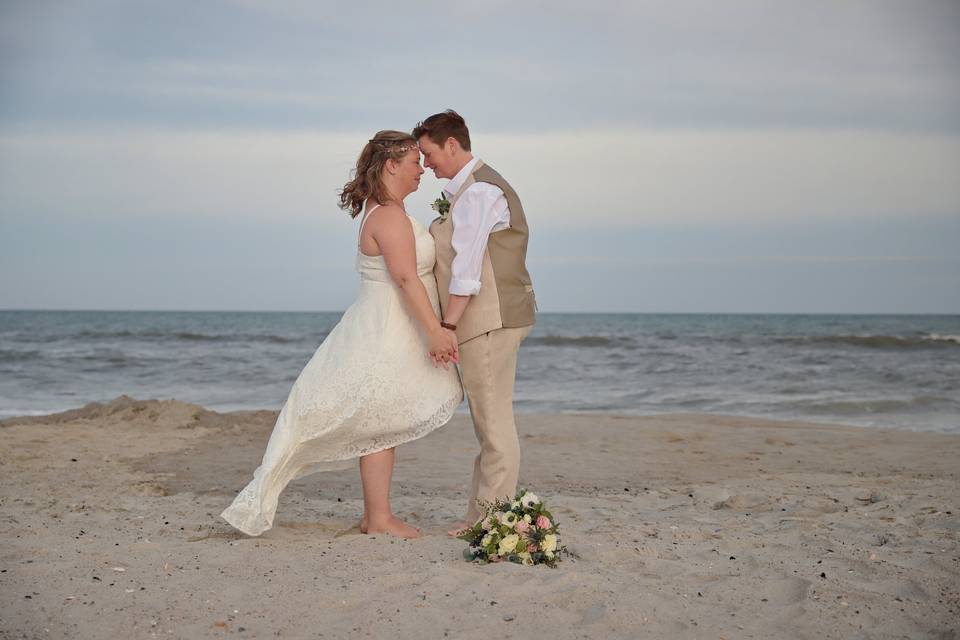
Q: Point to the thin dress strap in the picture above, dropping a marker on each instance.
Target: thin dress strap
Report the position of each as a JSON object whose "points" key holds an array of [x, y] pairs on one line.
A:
{"points": [[364, 221]]}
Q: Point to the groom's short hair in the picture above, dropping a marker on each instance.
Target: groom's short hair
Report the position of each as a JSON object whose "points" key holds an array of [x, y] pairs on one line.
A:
{"points": [[441, 126]]}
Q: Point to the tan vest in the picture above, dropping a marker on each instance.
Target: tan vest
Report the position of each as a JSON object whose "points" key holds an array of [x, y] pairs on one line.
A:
{"points": [[506, 296]]}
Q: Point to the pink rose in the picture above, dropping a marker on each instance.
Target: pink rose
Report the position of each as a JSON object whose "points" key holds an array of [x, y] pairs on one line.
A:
{"points": [[543, 522], [521, 527], [532, 548]]}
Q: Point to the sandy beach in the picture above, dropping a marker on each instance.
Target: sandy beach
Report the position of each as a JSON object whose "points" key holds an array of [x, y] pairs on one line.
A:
{"points": [[679, 526]]}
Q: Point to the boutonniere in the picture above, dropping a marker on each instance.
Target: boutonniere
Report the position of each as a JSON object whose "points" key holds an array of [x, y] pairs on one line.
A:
{"points": [[441, 205]]}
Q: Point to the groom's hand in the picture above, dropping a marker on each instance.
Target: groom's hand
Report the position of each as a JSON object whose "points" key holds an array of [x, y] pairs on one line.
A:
{"points": [[443, 348], [455, 355]]}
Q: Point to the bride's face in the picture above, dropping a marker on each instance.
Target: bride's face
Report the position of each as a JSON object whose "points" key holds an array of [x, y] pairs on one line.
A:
{"points": [[409, 171]]}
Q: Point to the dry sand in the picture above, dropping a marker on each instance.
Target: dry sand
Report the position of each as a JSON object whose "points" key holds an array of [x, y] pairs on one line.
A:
{"points": [[682, 526]]}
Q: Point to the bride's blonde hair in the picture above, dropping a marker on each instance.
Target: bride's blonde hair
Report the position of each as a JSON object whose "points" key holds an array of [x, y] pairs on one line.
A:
{"points": [[367, 182]]}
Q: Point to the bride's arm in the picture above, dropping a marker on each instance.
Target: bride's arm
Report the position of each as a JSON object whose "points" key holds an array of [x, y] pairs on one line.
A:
{"points": [[394, 236]]}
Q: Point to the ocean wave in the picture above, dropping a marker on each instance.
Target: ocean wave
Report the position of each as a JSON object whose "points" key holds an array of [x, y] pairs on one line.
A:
{"points": [[874, 406], [577, 341], [186, 336], [928, 341], [115, 359], [15, 355]]}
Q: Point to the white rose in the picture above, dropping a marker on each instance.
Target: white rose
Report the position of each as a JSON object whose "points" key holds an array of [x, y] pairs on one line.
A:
{"points": [[529, 499], [486, 540], [508, 544], [527, 518], [549, 544]]}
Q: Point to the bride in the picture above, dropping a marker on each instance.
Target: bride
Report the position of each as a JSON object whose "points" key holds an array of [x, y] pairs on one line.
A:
{"points": [[382, 376]]}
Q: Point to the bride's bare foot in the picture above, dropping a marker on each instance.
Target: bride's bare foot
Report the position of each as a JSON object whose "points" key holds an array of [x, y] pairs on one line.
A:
{"points": [[457, 527], [363, 524], [394, 526]]}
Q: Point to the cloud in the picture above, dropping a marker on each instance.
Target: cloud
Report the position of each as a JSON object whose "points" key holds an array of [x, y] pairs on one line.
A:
{"points": [[680, 176], [550, 66], [575, 179]]}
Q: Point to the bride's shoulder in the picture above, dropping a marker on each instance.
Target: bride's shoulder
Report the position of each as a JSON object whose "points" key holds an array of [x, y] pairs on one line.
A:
{"points": [[389, 217], [386, 213]]}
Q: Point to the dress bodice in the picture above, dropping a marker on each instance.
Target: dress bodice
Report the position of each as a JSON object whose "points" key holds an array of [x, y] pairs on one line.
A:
{"points": [[375, 267]]}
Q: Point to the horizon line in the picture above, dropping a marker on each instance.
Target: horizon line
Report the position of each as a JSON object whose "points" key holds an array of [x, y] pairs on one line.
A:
{"points": [[729, 313]]}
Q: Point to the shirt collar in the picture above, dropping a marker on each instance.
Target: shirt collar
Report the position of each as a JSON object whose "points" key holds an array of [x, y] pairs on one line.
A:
{"points": [[457, 181]]}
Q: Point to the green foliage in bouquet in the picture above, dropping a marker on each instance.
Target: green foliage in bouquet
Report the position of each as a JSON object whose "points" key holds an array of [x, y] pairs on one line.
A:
{"points": [[441, 205], [521, 530]]}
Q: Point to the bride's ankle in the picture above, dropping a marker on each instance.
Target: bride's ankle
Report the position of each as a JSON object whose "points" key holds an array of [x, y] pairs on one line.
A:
{"points": [[379, 520]]}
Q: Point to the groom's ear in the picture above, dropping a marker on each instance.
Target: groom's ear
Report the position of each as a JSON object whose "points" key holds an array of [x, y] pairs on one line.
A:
{"points": [[452, 145]]}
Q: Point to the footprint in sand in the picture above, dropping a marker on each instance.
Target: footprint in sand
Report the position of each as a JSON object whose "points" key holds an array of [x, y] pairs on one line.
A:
{"points": [[812, 506], [786, 591], [903, 588], [150, 489], [745, 502], [779, 442]]}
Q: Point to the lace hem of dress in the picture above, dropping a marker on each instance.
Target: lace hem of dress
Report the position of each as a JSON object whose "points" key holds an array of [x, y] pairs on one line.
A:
{"points": [[252, 512]]}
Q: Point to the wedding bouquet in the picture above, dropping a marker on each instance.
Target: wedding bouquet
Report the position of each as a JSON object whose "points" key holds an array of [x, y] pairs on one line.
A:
{"points": [[521, 531]]}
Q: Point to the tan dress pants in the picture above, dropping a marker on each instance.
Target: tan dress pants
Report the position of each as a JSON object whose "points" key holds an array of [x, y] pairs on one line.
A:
{"points": [[488, 365]]}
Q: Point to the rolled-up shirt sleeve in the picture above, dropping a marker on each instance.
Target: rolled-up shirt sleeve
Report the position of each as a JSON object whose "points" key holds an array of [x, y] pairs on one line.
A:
{"points": [[480, 210]]}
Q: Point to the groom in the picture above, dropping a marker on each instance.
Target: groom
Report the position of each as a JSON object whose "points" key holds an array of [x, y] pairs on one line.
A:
{"points": [[486, 296]]}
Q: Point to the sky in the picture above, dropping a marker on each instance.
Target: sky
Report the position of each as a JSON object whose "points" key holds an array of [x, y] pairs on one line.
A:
{"points": [[746, 157]]}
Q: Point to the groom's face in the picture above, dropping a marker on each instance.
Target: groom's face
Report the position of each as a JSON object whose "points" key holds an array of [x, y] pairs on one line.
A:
{"points": [[436, 157]]}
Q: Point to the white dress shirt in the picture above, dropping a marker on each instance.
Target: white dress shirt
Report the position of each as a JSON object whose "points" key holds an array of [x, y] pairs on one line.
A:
{"points": [[481, 210]]}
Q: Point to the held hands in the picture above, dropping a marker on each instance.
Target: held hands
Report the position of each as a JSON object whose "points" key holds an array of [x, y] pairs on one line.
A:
{"points": [[455, 342], [443, 347]]}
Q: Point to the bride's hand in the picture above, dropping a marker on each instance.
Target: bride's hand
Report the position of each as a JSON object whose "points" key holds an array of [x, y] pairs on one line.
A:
{"points": [[443, 348], [455, 356]]}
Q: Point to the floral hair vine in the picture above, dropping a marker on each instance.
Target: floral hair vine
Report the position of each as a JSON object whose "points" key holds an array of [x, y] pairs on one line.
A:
{"points": [[386, 145]]}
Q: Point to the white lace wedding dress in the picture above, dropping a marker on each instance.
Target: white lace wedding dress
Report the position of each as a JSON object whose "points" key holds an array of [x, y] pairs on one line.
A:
{"points": [[369, 386]]}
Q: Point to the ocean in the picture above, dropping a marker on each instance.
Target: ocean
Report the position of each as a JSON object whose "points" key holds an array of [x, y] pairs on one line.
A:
{"points": [[877, 370]]}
